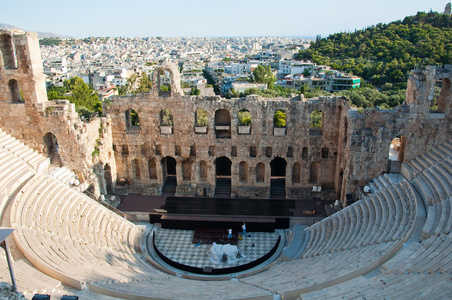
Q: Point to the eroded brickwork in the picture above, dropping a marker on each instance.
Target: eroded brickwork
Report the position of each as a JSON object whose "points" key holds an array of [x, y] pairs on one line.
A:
{"points": [[130, 150]]}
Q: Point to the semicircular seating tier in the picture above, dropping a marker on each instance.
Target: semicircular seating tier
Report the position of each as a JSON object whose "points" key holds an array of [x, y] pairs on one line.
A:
{"points": [[422, 268], [74, 239], [350, 243]]}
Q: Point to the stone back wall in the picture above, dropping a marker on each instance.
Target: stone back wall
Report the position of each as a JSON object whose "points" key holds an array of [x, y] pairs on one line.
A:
{"points": [[147, 142]]}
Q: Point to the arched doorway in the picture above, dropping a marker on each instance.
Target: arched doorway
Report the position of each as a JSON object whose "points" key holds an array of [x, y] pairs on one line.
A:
{"points": [[108, 178], [278, 177], [396, 154], [223, 176], [51, 149], [169, 175]]}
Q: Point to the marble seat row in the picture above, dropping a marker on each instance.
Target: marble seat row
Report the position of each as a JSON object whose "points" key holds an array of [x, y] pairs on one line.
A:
{"points": [[294, 277], [19, 150], [422, 268], [73, 238], [387, 214]]}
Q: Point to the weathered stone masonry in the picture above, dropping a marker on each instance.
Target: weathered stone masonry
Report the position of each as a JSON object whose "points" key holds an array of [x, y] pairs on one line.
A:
{"points": [[349, 149]]}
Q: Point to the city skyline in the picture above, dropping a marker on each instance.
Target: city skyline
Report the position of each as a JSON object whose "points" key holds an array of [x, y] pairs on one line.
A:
{"points": [[202, 18]]}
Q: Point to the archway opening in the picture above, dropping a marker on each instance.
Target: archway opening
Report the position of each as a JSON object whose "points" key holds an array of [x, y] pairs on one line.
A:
{"points": [[243, 171], [108, 178], [223, 176], [260, 172], [15, 92], [51, 149], [278, 177], [314, 173], [169, 174], [296, 173], [396, 154], [186, 170], [203, 170]]}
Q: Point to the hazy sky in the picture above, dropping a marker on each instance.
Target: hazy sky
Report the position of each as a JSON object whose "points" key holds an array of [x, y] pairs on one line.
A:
{"points": [[177, 18]]}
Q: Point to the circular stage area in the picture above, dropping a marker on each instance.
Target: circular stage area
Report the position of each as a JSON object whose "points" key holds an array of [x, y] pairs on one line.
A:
{"points": [[177, 246]]}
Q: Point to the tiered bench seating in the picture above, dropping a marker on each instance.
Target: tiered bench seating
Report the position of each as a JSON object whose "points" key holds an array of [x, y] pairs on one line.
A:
{"points": [[421, 270], [73, 238], [349, 243], [386, 214]]}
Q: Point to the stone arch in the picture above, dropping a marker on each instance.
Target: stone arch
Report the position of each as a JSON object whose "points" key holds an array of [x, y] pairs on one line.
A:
{"points": [[108, 178], [289, 152], [278, 167], [168, 165], [136, 172], [14, 91], [243, 171], [314, 173], [186, 170], [397, 149], [223, 166], [260, 172], [170, 71], [203, 170], [132, 119], [278, 177], [8, 50], [152, 167], [296, 173], [222, 124], [51, 148]]}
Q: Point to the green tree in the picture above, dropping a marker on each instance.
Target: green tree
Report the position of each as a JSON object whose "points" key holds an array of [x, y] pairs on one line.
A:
{"points": [[166, 117], [279, 118], [195, 91], [263, 74], [201, 117], [244, 117], [82, 95], [145, 83]]}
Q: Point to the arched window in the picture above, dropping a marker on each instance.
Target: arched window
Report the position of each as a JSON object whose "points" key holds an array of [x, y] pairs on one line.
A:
{"points": [[222, 124], [8, 50], [314, 173], [260, 172], [136, 169], [14, 90], [296, 173], [203, 170], [166, 117], [166, 121], [152, 169], [186, 170], [244, 121], [316, 122], [132, 119], [243, 171], [201, 118]]}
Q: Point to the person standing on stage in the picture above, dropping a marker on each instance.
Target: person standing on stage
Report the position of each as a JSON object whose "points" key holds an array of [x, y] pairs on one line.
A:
{"points": [[244, 228], [229, 234]]}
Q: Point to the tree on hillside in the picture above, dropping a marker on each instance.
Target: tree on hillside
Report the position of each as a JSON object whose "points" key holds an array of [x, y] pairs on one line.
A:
{"points": [[263, 74]]}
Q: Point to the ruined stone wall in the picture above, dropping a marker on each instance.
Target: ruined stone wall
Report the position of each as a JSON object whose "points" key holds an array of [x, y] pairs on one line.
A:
{"points": [[348, 150], [422, 127], [147, 142], [28, 116]]}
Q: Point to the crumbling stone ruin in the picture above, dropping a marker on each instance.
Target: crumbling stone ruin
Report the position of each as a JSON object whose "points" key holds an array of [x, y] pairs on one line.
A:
{"points": [[143, 141]]}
